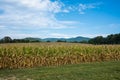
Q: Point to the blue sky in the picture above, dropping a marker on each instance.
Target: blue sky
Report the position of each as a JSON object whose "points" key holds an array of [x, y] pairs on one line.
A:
{"points": [[59, 18]]}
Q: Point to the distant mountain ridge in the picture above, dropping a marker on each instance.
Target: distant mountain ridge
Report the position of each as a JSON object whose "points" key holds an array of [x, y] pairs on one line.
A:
{"points": [[74, 39], [32, 39]]}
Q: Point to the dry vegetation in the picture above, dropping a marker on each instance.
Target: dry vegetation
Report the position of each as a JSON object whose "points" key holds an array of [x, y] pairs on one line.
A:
{"points": [[23, 55]]}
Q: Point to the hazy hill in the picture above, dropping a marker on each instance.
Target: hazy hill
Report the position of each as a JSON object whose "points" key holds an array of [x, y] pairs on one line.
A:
{"points": [[32, 39], [75, 39], [78, 39]]}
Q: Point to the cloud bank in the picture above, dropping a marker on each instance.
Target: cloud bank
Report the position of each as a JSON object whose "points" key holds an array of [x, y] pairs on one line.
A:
{"points": [[31, 13], [22, 18]]}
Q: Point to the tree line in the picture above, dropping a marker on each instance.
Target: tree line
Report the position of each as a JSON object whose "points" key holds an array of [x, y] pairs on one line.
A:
{"points": [[8, 39], [110, 39]]}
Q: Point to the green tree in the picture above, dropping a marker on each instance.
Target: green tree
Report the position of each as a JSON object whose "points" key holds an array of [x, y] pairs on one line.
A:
{"points": [[6, 39], [110, 39]]}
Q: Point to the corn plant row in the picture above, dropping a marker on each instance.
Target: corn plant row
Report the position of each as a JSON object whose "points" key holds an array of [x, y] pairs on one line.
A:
{"points": [[54, 54]]}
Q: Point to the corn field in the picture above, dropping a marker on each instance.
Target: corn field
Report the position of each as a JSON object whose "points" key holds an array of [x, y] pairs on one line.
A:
{"points": [[25, 55]]}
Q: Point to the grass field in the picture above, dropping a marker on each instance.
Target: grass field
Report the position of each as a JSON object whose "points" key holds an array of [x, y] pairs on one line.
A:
{"points": [[85, 71], [26, 55]]}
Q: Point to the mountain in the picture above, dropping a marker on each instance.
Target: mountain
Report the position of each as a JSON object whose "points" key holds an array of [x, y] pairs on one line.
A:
{"points": [[53, 39], [32, 39], [78, 39], [75, 39]]}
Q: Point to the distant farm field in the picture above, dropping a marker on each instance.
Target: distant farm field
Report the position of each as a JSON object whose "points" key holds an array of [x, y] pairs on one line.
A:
{"points": [[25, 55]]}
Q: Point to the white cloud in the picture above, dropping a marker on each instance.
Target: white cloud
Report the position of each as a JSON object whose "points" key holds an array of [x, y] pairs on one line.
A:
{"points": [[83, 7], [1, 26], [59, 35], [32, 14], [41, 5], [93, 35]]}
